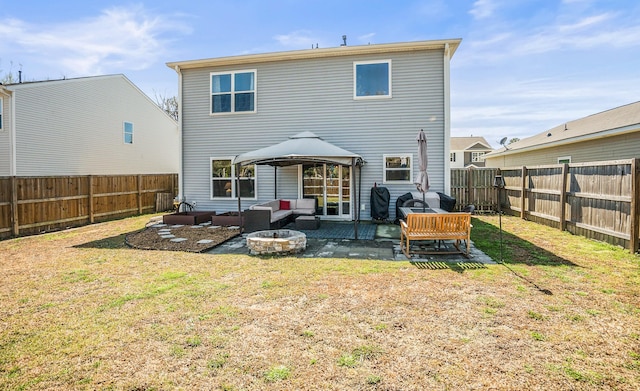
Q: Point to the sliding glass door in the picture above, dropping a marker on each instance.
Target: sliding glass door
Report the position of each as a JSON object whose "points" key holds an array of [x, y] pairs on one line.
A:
{"points": [[330, 185]]}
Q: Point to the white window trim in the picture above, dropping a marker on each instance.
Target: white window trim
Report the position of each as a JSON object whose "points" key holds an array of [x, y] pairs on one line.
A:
{"points": [[124, 131], [400, 155], [233, 179], [561, 158], [232, 73], [355, 80]]}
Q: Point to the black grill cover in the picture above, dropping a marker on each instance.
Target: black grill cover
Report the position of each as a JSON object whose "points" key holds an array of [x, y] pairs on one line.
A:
{"points": [[447, 203], [380, 203], [401, 200]]}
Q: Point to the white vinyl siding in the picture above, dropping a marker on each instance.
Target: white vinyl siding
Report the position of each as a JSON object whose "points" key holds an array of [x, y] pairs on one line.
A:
{"points": [[83, 119], [1, 112], [318, 97]]}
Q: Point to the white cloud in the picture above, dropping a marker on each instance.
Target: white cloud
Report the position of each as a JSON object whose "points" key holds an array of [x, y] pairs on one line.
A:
{"points": [[300, 39], [117, 39], [482, 9]]}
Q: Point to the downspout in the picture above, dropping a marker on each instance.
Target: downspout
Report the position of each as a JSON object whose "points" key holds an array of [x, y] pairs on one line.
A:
{"points": [[447, 120], [13, 162], [180, 152]]}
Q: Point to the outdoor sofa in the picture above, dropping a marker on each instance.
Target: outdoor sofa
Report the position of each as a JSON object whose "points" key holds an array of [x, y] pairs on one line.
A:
{"points": [[281, 211]]}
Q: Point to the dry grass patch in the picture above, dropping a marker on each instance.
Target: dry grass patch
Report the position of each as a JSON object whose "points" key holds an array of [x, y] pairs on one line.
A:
{"points": [[561, 314]]}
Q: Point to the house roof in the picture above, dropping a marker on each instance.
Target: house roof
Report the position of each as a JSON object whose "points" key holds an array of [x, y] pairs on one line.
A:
{"points": [[464, 143], [452, 44], [619, 120]]}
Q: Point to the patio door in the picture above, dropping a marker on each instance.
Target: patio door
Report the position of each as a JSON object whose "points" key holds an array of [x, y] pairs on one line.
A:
{"points": [[330, 185]]}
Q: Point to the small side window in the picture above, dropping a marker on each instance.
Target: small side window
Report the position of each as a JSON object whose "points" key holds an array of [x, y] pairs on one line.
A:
{"points": [[128, 132], [564, 159], [372, 79], [397, 168]]}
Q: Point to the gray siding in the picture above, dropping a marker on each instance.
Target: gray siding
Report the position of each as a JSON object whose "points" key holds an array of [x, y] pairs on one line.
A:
{"points": [[5, 137], [317, 96], [625, 146], [74, 127]]}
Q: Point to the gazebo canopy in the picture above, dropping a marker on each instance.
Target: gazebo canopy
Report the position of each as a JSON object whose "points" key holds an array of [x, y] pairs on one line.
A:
{"points": [[304, 147]]}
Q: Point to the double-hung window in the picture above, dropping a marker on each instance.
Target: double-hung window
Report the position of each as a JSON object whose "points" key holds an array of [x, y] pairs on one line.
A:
{"points": [[223, 179], [477, 156], [127, 130], [397, 168], [233, 92], [372, 79]]}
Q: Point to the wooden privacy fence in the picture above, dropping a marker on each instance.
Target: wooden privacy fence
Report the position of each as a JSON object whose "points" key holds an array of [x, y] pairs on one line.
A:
{"points": [[30, 205], [474, 186], [598, 200]]}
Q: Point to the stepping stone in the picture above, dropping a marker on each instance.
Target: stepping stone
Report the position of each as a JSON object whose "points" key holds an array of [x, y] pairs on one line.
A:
{"points": [[164, 231], [177, 226], [167, 236], [178, 240], [205, 223], [196, 226], [214, 227], [204, 241], [158, 225], [233, 227]]}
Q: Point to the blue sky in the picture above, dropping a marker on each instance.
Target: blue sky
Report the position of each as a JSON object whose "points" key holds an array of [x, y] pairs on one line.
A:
{"points": [[523, 66]]}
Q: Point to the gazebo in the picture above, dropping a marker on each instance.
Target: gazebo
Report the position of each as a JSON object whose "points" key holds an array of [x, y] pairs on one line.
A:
{"points": [[302, 148]]}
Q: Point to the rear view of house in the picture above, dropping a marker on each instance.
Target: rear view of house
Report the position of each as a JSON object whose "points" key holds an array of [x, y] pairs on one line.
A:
{"points": [[369, 101], [100, 125]]}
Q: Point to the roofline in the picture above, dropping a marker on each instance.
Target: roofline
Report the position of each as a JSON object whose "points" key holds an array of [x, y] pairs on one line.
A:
{"points": [[27, 84], [306, 54], [572, 140]]}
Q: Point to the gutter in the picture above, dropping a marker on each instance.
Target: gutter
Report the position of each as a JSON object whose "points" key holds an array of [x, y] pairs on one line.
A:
{"points": [[180, 151]]}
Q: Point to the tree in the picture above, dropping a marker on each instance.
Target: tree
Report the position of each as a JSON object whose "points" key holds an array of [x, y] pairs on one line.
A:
{"points": [[169, 104], [9, 77], [514, 140]]}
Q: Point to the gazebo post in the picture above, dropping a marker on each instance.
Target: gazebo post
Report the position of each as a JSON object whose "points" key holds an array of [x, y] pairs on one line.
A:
{"points": [[238, 165], [356, 204]]}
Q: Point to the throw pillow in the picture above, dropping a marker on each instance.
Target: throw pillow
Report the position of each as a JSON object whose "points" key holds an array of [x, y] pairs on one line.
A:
{"points": [[285, 205]]}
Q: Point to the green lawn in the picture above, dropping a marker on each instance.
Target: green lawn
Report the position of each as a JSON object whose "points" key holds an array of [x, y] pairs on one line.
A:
{"points": [[81, 311]]}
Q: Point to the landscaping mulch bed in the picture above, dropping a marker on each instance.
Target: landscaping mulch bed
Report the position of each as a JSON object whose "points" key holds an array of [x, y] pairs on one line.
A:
{"points": [[198, 238]]}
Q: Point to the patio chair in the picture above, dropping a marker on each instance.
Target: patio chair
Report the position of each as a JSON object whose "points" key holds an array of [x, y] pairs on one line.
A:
{"points": [[414, 202], [469, 208]]}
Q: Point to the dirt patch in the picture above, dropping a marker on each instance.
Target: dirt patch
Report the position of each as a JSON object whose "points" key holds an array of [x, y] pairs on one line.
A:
{"points": [[197, 238]]}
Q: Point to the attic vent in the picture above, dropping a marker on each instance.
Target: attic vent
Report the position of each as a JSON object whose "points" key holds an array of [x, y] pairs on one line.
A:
{"points": [[565, 126]]}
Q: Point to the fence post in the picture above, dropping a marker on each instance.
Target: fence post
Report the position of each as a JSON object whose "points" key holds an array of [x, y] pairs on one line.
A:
{"points": [[563, 196], [15, 221], [635, 207], [470, 181], [139, 194], [91, 218], [522, 191]]}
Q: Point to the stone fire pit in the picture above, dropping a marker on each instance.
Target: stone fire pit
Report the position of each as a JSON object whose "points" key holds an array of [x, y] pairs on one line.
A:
{"points": [[276, 241]]}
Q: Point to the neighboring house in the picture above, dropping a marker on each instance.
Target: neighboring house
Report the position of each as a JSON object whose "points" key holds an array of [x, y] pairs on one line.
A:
{"points": [[468, 151], [368, 100], [101, 125], [609, 135]]}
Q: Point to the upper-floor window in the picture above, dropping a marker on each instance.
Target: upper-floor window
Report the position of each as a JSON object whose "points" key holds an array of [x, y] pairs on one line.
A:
{"points": [[223, 179], [397, 168], [564, 159], [127, 128], [477, 156], [372, 79], [233, 92], [452, 157]]}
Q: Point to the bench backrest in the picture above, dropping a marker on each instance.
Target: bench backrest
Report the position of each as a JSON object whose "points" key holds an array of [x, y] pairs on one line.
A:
{"points": [[438, 222]]}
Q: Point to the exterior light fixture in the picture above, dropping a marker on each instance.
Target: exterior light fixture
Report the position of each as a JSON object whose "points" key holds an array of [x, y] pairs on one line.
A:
{"points": [[498, 183]]}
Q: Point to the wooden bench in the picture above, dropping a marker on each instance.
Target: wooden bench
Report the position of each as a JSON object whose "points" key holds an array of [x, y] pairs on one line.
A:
{"points": [[436, 226]]}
